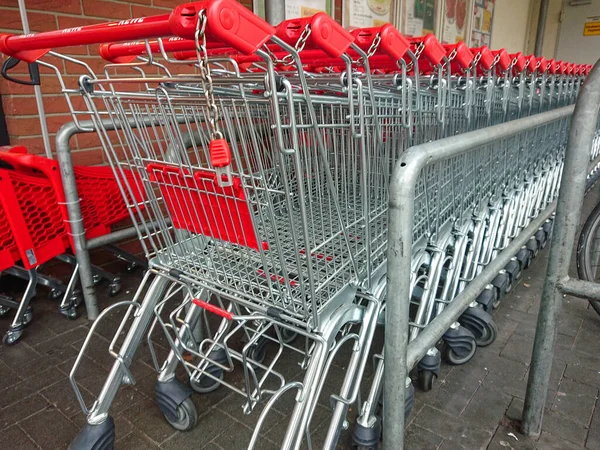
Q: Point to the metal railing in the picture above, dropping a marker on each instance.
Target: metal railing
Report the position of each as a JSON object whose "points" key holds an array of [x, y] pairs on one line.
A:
{"points": [[558, 282], [401, 356]]}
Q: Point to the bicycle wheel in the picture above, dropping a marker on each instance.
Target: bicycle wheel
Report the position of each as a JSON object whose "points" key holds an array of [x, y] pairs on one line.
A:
{"points": [[588, 251]]}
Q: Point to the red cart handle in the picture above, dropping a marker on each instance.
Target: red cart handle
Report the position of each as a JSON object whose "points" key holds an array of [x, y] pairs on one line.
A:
{"points": [[503, 59], [128, 51], [542, 64], [432, 49], [391, 43], [485, 57], [226, 21], [325, 34], [461, 55], [552, 66], [518, 62]]}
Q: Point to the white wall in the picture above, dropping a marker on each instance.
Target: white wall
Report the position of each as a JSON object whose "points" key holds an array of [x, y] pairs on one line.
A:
{"points": [[511, 25]]}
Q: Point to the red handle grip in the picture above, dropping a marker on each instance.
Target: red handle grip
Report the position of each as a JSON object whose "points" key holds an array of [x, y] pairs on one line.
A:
{"points": [[128, 51], [325, 34], [504, 59], [519, 62], [213, 309], [486, 57], [392, 42], [552, 66], [432, 48], [227, 21], [542, 64], [463, 57]]}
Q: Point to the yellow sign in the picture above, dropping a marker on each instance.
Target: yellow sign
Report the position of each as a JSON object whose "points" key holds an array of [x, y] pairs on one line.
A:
{"points": [[591, 28]]}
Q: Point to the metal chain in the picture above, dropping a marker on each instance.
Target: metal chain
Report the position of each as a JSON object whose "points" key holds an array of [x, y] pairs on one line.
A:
{"points": [[205, 77], [288, 59], [418, 53]]}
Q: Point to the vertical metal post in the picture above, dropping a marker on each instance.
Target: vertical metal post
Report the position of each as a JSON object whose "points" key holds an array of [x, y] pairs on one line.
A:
{"points": [[399, 255], [572, 188], [37, 89], [63, 155], [274, 11], [541, 28]]}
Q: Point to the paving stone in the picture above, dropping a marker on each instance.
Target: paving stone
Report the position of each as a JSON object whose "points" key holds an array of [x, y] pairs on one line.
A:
{"points": [[147, 418], [577, 358], [575, 400], [556, 374], [562, 426], [593, 438], [583, 375], [549, 441], [518, 348], [62, 397], [137, 441], [569, 325], [486, 408], [16, 438], [49, 429], [507, 438], [19, 411], [417, 438], [585, 342], [453, 393], [453, 429], [212, 425], [122, 426], [17, 392], [232, 405], [506, 375], [239, 436]]}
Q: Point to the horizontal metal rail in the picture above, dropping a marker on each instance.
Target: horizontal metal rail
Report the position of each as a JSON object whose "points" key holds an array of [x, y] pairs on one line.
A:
{"points": [[400, 234]]}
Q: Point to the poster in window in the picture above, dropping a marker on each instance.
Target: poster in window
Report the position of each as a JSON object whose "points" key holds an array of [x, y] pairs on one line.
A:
{"points": [[455, 21], [483, 17], [298, 8], [366, 13], [420, 17]]}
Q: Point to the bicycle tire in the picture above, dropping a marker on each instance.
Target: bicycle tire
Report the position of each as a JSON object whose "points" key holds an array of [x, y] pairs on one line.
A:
{"points": [[585, 271]]}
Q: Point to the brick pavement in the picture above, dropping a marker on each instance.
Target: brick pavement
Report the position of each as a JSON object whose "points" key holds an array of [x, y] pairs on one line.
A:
{"points": [[475, 406]]}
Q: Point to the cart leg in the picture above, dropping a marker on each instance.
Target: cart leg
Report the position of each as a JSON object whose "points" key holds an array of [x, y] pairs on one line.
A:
{"points": [[23, 316], [99, 432]]}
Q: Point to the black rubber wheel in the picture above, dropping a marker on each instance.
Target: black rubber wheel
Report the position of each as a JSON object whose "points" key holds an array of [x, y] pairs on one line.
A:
{"points": [[114, 289], [426, 380], [12, 337], [288, 336], [55, 294], [586, 269], [484, 336], [452, 358], [259, 351], [187, 416], [205, 384], [27, 317]]}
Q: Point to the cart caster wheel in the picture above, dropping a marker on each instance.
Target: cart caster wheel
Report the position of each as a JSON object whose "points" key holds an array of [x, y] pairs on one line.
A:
{"points": [[205, 384], [71, 313], [288, 336], [258, 351], [502, 285], [12, 337], [4, 310], [481, 324], [187, 416], [114, 288], [55, 294], [487, 298], [459, 345], [524, 257], [28, 316], [426, 380], [547, 227], [96, 437], [131, 267], [514, 271], [367, 437], [428, 369], [537, 242]]}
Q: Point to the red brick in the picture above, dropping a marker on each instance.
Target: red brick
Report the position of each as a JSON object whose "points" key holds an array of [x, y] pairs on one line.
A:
{"points": [[63, 6], [11, 20], [87, 157], [21, 126], [146, 11], [34, 144], [106, 9], [72, 22], [141, 2], [166, 3], [26, 106], [49, 84]]}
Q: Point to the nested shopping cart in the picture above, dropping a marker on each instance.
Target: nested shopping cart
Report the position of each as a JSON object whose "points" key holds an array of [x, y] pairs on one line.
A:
{"points": [[266, 220], [36, 198]]}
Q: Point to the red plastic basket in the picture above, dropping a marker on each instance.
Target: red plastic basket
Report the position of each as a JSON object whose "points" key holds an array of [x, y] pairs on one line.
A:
{"points": [[9, 253], [100, 197], [32, 211]]}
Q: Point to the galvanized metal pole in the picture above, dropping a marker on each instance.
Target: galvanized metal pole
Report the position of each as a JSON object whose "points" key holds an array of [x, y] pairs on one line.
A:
{"points": [[541, 28], [274, 11], [572, 189], [37, 89]]}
